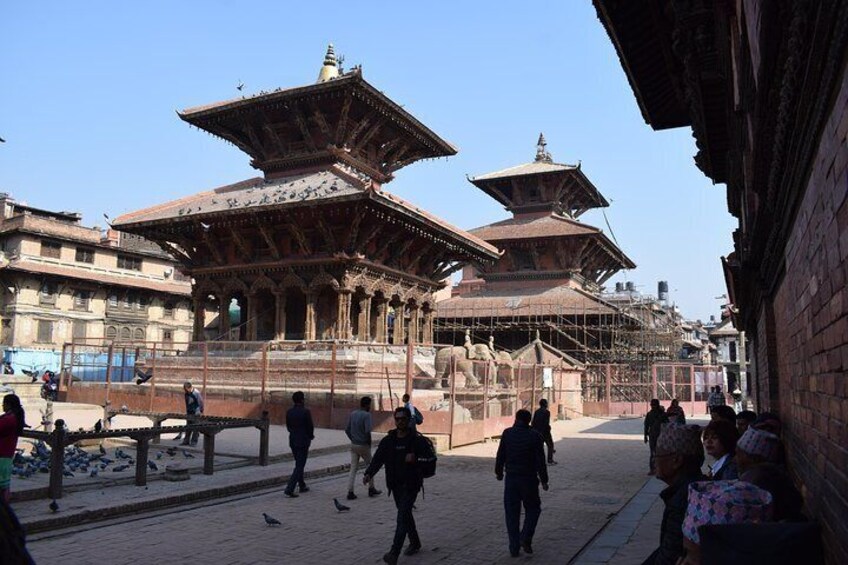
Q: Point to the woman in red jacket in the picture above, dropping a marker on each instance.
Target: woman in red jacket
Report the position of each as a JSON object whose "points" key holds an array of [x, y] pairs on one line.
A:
{"points": [[11, 426]]}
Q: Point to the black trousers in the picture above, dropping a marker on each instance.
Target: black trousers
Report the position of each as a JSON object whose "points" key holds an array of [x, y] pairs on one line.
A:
{"points": [[404, 501], [518, 490], [296, 479], [549, 442]]}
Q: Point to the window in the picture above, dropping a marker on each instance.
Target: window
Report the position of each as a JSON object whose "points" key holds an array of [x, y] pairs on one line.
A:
{"points": [[111, 332], [732, 351], [167, 336], [45, 331], [521, 259], [139, 334], [113, 299], [129, 298], [84, 255], [51, 249], [82, 299], [126, 334], [168, 311], [78, 330], [47, 294], [128, 262]]}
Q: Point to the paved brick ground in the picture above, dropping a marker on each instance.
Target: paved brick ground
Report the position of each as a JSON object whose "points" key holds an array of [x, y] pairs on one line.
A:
{"points": [[461, 520]]}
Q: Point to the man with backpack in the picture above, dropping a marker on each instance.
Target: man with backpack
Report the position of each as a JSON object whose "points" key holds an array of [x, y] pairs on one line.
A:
{"points": [[521, 454], [417, 418], [409, 458]]}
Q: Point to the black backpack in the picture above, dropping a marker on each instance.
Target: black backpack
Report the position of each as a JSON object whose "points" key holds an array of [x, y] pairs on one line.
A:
{"points": [[427, 460]]}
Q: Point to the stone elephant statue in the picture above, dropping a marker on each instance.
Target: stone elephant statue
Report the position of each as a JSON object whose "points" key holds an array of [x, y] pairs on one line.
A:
{"points": [[464, 357]]}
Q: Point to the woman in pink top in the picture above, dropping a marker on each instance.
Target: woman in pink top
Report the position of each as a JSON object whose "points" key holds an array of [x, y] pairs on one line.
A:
{"points": [[11, 426]]}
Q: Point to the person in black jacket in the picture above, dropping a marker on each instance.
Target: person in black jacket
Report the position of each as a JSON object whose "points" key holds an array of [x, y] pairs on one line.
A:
{"points": [[542, 424], [400, 451], [301, 433], [521, 454], [654, 419]]}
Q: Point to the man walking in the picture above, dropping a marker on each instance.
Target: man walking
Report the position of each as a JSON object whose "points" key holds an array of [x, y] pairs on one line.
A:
{"points": [[194, 407], [400, 451], [542, 425], [416, 418], [358, 430], [301, 433], [521, 454], [654, 420]]}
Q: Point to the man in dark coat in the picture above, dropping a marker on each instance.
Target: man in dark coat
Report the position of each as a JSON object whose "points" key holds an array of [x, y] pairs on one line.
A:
{"points": [[400, 451], [301, 433], [194, 407], [521, 454], [679, 457], [654, 419], [542, 425]]}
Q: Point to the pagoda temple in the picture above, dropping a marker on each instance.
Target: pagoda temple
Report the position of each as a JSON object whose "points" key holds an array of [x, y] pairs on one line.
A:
{"points": [[315, 248], [548, 281]]}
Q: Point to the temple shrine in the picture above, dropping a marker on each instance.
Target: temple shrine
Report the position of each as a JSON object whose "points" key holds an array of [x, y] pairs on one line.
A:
{"points": [[315, 248], [548, 282]]}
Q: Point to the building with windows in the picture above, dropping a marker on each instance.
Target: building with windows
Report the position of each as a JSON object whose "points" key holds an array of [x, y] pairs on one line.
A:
{"points": [[61, 281]]}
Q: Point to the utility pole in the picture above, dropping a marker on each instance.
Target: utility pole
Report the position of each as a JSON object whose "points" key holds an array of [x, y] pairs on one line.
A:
{"points": [[743, 370]]}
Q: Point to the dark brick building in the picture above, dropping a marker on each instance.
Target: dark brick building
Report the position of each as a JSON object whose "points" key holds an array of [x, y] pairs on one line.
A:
{"points": [[763, 86]]}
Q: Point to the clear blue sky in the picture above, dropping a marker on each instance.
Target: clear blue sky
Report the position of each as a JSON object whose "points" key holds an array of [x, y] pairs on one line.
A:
{"points": [[89, 91]]}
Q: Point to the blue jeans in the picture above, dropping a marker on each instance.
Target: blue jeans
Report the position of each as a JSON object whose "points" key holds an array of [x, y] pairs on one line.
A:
{"points": [[404, 501], [520, 489], [296, 479]]}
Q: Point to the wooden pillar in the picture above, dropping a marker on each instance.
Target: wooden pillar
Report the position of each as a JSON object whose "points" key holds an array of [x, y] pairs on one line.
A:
{"points": [[251, 316], [57, 459], [142, 447], [199, 305], [309, 324], [400, 322], [224, 318], [364, 321], [382, 331], [208, 452], [412, 330], [280, 318], [428, 327], [264, 439], [341, 314]]}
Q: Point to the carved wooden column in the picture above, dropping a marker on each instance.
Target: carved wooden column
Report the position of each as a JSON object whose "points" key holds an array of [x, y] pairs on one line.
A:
{"points": [[400, 322], [428, 327], [364, 321], [199, 306], [381, 334], [224, 318], [280, 316], [412, 331], [251, 316], [309, 324]]}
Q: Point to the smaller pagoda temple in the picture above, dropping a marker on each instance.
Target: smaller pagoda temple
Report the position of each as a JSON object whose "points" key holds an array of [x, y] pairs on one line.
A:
{"points": [[553, 265]]}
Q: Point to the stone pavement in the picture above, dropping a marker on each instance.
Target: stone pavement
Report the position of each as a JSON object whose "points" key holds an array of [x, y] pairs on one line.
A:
{"points": [[460, 516]]}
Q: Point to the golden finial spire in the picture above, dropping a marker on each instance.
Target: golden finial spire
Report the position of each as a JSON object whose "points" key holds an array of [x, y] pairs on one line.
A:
{"points": [[541, 150], [330, 70]]}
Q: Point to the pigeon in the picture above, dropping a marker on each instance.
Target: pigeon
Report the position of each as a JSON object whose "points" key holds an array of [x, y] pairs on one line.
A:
{"points": [[54, 507], [339, 506], [120, 468], [67, 474], [271, 521], [153, 466], [240, 87], [102, 449], [93, 473], [158, 455], [105, 460], [98, 425], [187, 455]]}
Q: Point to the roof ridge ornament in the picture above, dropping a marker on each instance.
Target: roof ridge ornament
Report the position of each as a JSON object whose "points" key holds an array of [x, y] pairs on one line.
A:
{"points": [[330, 70], [542, 155]]}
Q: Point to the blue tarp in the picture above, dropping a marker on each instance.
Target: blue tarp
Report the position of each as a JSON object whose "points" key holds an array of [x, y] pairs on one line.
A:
{"points": [[85, 366]]}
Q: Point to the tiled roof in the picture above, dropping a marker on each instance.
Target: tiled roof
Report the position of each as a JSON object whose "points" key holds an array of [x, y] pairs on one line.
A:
{"points": [[473, 238], [551, 225], [255, 193], [518, 301], [537, 167], [183, 289]]}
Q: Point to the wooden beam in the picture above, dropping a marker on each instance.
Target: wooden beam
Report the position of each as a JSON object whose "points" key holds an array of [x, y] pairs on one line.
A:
{"points": [[271, 131], [303, 126], [353, 232], [343, 117], [386, 147], [327, 232], [268, 235], [254, 139], [362, 245], [240, 242], [388, 242], [299, 236], [319, 119], [404, 162], [398, 251], [212, 244], [360, 127], [367, 137]]}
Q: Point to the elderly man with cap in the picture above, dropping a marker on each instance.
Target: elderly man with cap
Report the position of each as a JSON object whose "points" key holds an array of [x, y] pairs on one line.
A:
{"points": [[755, 447], [679, 457], [721, 503]]}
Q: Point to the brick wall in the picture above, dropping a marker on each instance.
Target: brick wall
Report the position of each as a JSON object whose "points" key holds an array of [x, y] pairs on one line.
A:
{"points": [[811, 337]]}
